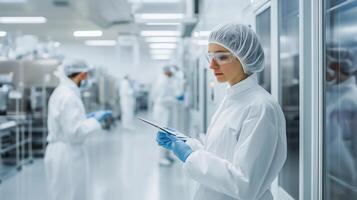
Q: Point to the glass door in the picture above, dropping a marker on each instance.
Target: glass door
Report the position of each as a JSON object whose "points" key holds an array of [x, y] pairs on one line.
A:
{"points": [[340, 100], [289, 84], [263, 29]]}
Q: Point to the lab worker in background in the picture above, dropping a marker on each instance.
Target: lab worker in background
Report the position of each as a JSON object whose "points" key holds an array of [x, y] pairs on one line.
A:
{"points": [[245, 146], [164, 97], [127, 102], [341, 117], [179, 82], [68, 127]]}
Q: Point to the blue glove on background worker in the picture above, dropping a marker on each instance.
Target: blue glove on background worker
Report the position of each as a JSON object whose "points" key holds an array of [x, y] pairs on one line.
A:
{"points": [[171, 142], [100, 116], [89, 115], [180, 97]]}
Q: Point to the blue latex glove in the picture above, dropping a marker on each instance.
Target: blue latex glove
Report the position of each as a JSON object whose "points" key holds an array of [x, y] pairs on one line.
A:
{"points": [[180, 98], [170, 142], [100, 116], [89, 115]]}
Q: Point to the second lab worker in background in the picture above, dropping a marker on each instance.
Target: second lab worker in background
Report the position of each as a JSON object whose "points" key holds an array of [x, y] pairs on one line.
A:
{"points": [[127, 103], [164, 96], [68, 127], [245, 145]]}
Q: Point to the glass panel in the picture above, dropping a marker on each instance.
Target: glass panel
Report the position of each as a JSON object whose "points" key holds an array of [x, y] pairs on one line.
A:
{"points": [[263, 30], [289, 64], [340, 94]]}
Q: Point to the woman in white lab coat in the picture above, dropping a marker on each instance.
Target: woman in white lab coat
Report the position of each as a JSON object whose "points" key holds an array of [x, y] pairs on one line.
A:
{"points": [[245, 145]]}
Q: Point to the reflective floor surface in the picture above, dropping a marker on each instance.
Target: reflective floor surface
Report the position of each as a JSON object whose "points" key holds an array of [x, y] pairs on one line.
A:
{"points": [[123, 165]]}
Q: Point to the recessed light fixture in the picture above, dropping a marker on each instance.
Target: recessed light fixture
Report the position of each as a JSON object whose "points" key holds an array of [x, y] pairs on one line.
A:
{"points": [[13, 1], [162, 23], [161, 1], [161, 57], [23, 20], [161, 51], [160, 33], [93, 33], [165, 16], [163, 46], [161, 39], [201, 34], [100, 42], [202, 42], [2, 33]]}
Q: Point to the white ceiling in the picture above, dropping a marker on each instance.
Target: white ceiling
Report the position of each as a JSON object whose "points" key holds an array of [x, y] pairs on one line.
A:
{"points": [[63, 20]]}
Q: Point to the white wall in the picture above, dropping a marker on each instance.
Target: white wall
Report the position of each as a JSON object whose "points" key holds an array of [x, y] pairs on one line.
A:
{"points": [[116, 61]]}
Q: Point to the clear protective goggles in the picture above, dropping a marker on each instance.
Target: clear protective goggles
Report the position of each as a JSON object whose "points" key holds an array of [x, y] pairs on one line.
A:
{"points": [[220, 57]]}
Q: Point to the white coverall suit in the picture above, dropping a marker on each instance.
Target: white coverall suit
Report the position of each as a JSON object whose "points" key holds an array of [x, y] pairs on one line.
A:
{"points": [[68, 127], [127, 103], [164, 101], [244, 149]]}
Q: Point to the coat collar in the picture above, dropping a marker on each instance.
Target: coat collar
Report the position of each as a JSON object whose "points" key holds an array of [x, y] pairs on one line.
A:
{"points": [[70, 84], [242, 86]]}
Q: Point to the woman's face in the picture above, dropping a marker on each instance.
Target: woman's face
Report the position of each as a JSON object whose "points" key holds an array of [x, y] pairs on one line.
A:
{"points": [[230, 71]]}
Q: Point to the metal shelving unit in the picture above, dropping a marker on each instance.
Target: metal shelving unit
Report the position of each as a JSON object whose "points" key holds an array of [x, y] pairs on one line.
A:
{"points": [[15, 144]]}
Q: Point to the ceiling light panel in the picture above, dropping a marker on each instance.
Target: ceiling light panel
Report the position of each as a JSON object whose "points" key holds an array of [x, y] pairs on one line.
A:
{"points": [[161, 57], [202, 42], [160, 1], [162, 23], [161, 39], [160, 33], [100, 42], [201, 34], [163, 46], [161, 51], [13, 1], [23, 20], [94, 33], [2, 33], [161, 16]]}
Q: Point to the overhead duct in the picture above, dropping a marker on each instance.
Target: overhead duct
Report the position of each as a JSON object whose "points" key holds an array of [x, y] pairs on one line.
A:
{"points": [[192, 13], [61, 3], [110, 12]]}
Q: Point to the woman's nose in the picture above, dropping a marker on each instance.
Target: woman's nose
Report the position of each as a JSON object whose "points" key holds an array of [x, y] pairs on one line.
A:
{"points": [[213, 64]]}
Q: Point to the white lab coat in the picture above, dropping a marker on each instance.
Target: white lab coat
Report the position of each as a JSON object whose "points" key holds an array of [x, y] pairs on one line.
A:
{"points": [[341, 111], [127, 103], [68, 127], [164, 99], [244, 149]]}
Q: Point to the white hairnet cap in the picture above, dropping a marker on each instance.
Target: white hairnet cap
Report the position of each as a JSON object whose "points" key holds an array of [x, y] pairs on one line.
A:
{"points": [[243, 43], [344, 57], [72, 66]]}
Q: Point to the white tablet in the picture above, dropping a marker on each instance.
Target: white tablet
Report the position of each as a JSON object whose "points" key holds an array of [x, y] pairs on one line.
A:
{"points": [[166, 130]]}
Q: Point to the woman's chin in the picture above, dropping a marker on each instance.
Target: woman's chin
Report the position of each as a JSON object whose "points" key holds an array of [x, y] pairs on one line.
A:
{"points": [[221, 79]]}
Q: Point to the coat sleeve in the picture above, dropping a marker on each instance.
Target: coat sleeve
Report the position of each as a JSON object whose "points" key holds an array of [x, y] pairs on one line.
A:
{"points": [[194, 144], [253, 154], [75, 126]]}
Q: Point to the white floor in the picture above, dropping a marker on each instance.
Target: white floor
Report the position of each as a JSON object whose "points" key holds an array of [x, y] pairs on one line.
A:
{"points": [[124, 165]]}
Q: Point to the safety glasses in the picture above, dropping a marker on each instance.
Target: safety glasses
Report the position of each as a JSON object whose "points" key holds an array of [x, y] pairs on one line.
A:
{"points": [[220, 57]]}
